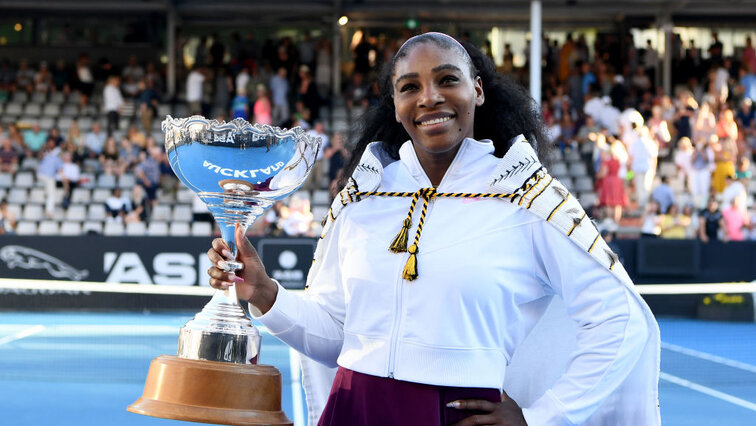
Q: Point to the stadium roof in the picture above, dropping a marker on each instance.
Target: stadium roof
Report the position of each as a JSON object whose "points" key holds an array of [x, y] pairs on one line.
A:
{"points": [[556, 13]]}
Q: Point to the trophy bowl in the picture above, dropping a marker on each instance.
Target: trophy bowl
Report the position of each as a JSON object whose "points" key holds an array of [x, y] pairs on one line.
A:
{"points": [[238, 170]]}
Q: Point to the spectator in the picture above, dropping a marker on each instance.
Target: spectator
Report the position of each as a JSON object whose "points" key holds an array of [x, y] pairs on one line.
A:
{"points": [[279, 87], [691, 217], [75, 144], [357, 92], [9, 157], [272, 219], [128, 155], [95, 140], [147, 173], [612, 194], [136, 137], [663, 194], [734, 189], [296, 220], [308, 92], [727, 128], [138, 205], [113, 103], [133, 70], [710, 221], [650, 221], [736, 221], [147, 103], [109, 158], [34, 140], [240, 104], [337, 156], [262, 107], [643, 153], [43, 81], [725, 154], [7, 219], [194, 83], [60, 76], [85, 78], [25, 77], [116, 206], [684, 162], [744, 169], [16, 138], [747, 85], [672, 225], [314, 182], [702, 167], [47, 173], [70, 174], [242, 79], [55, 136], [659, 129]]}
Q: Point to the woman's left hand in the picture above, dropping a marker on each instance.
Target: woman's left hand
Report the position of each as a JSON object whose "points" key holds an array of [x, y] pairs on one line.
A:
{"points": [[505, 413]]}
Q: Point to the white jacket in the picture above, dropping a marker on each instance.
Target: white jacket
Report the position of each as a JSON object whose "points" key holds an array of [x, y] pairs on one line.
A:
{"points": [[488, 270]]}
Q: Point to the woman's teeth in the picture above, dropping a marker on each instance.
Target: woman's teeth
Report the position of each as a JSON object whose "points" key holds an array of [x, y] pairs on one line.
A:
{"points": [[435, 121]]}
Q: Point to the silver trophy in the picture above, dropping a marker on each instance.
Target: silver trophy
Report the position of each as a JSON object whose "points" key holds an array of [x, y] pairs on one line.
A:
{"points": [[238, 170]]}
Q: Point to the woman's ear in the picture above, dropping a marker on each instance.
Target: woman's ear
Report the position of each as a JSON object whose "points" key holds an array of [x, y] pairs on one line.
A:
{"points": [[480, 97]]}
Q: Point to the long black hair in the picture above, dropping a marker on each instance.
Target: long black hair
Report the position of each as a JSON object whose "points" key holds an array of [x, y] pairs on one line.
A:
{"points": [[508, 109]]}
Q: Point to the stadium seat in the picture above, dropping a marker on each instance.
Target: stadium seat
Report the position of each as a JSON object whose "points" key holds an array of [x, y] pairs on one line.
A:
{"points": [[99, 195], [157, 229], [16, 210], [126, 181], [36, 196], [571, 156], [91, 165], [48, 227], [578, 169], [136, 229], [161, 212], [106, 181], [202, 229], [64, 123], [162, 111], [74, 98], [80, 196], [85, 124], [57, 98], [567, 182], [26, 228], [558, 168], [185, 195], [33, 212], [6, 180], [3, 193], [51, 110], [584, 184], [90, 110], [29, 164], [70, 110], [76, 212], [91, 228], [321, 197], [47, 123], [113, 229], [20, 96], [96, 212], [13, 109], [556, 155], [588, 199], [319, 212], [179, 229], [70, 228], [39, 97], [182, 213], [181, 110], [33, 109], [17, 196]]}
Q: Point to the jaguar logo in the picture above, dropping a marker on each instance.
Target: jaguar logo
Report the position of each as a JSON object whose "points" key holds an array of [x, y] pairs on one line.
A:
{"points": [[28, 258]]}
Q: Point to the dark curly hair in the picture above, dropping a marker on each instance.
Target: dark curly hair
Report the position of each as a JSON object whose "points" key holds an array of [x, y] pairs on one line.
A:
{"points": [[508, 109]]}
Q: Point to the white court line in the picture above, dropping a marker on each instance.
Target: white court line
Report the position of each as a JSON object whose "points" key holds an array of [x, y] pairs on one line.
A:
{"points": [[707, 391], [21, 334], [709, 357], [296, 388]]}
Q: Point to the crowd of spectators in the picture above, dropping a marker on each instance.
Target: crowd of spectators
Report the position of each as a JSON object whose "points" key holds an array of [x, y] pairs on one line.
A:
{"points": [[677, 165]]}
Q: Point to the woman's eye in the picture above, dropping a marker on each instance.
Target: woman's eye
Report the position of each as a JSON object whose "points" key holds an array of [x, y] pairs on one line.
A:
{"points": [[449, 79], [406, 87]]}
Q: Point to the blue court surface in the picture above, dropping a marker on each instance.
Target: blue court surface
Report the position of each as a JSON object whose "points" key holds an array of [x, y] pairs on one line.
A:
{"points": [[86, 368]]}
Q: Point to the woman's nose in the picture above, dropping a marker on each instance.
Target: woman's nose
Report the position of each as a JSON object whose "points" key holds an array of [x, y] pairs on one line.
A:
{"points": [[430, 96]]}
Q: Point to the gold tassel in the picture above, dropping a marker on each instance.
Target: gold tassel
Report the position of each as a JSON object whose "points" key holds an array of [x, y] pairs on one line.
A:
{"points": [[410, 269], [399, 245]]}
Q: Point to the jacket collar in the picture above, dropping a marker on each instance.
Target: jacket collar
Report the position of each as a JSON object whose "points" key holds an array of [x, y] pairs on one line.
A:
{"points": [[470, 152]]}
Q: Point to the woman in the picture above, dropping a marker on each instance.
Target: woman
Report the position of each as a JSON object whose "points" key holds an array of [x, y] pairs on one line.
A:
{"points": [[422, 340], [109, 159], [612, 195], [673, 224], [650, 220], [262, 108], [725, 155]]}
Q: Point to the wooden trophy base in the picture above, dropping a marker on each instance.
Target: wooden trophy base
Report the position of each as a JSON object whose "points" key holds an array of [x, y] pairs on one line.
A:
{"points": [[212, 392]]}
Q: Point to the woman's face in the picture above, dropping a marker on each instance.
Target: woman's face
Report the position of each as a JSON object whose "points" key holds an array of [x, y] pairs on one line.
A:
{"points": [[435, 97]]}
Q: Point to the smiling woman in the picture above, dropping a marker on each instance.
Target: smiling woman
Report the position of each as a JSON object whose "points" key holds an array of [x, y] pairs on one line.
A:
{"points": [[509, 310]]}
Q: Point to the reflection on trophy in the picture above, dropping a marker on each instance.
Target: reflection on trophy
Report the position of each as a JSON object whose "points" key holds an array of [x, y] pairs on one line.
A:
{"points": [[238, 170]]}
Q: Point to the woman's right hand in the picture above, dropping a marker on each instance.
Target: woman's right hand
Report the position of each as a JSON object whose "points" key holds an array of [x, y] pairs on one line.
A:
{"points": [[252, 282]]}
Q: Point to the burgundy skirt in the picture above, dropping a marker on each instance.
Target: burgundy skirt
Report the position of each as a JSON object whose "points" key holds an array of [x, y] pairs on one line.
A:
{"points": [[358, 399]]}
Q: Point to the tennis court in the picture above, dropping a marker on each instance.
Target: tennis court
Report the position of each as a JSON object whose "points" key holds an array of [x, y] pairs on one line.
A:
{"points": [[65, 368]]}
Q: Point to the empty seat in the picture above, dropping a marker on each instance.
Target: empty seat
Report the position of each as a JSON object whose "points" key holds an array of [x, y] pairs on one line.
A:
{"points": [[51, 110], [185, 195], [113, 228], [64, 123], [91, 228], [558, 168], [571, 156], [80, 196], [85, 124], [24, 180], [584, 184], [182, 213], [91, 165], [47, 123], [76, 212], [48, 227], [126, 181], [74, 97], [157, 229], [70, 228], [161, 212], [33, 109], [202, 229], [179, 229], [96, 212], [321, 197], [33, 212], [20, 96], [16, 210], [578, 169], [588, 199], [99, 195], [70, 110], [13, 109], [17, 196], [567, 182], [36, 196], [26, 228], [6, 180], [39, 97], [106, 181], [90, 110], [30, 164], [57, 98], [136, 229], [87, 180]]}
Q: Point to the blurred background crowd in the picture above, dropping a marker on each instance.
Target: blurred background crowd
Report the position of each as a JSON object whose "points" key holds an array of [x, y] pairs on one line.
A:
{"points": [[81, 149]]}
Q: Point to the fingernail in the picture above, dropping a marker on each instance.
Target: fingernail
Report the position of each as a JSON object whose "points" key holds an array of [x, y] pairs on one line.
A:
{"points": [[239, 279], [226, 284], [227, 253], [453, 404], [222, 264]]}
